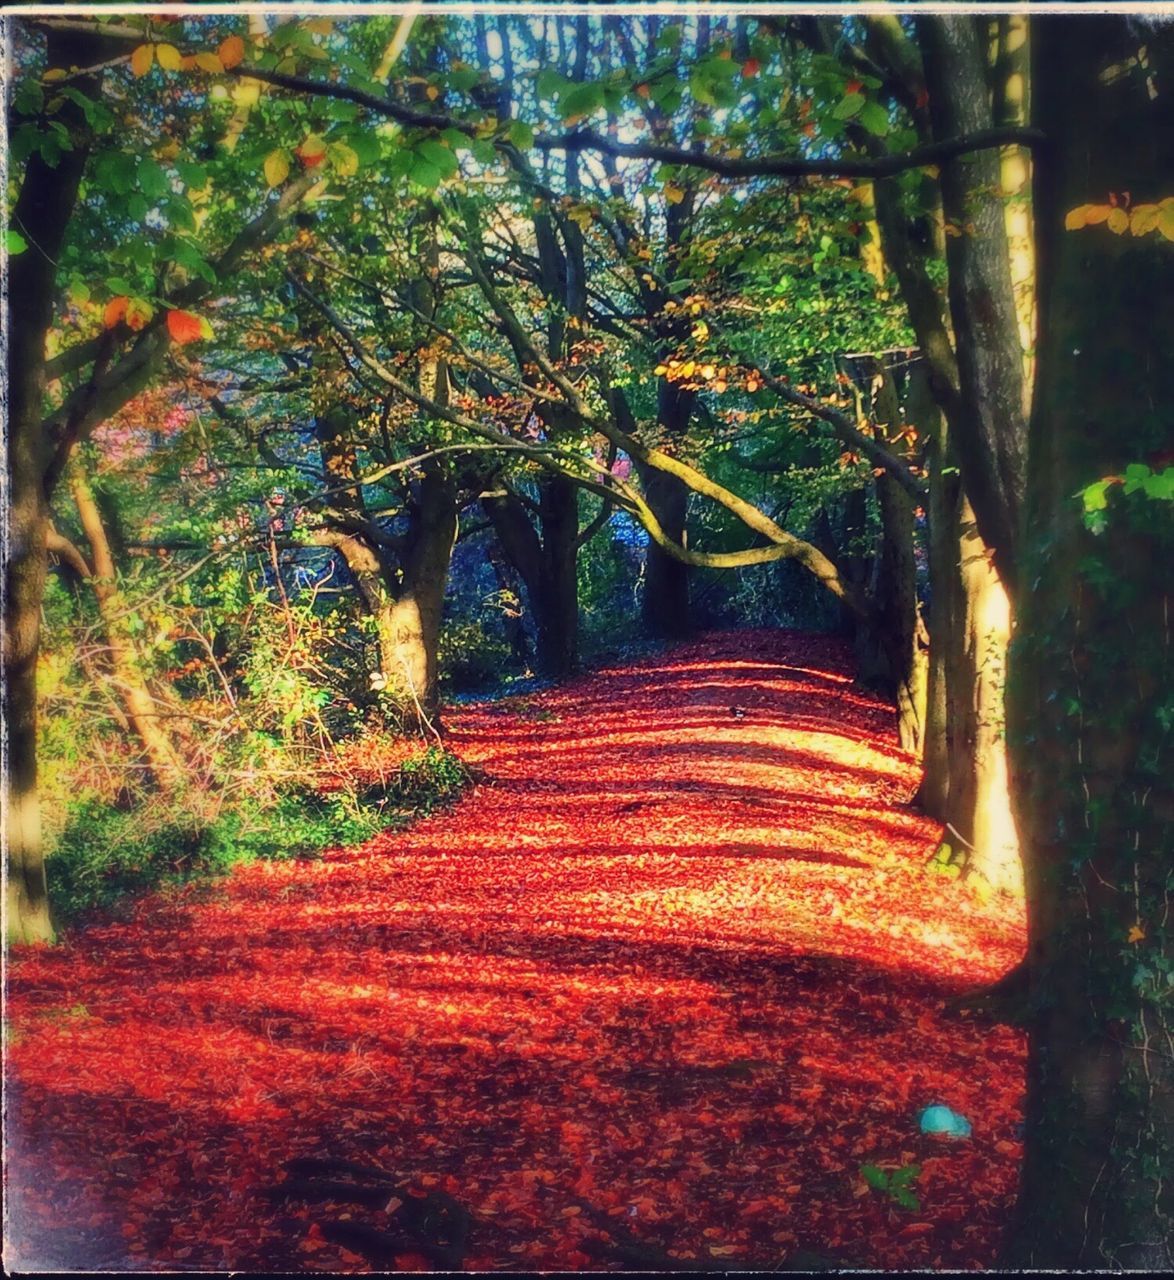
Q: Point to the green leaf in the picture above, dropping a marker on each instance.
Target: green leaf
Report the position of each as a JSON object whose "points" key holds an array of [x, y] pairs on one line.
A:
{"points": [[847, 107], [152, 180], [365, 145], [425, 174], [463, 78], [907, 1200], [875, 1176], [874, 118], [521, 135], [1136, 474], [1160, 485], [193, 175], [437, 155], [581, 100], [1095, 496], [549, 84], [15, 242]]}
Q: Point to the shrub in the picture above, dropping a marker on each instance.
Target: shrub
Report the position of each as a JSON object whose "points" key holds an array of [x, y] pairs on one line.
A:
{"points": [[104, 853], [472, 655]]}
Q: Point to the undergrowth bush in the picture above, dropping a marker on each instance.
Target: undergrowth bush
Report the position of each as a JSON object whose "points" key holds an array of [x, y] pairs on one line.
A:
{"points": [[103, 852]]}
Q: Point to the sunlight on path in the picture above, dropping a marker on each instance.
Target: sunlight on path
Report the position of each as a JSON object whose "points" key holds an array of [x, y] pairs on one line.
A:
{"points": [[677, 962]]}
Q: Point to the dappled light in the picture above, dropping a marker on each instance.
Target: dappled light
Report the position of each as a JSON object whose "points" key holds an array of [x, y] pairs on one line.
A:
{"points": [[664, 967]]}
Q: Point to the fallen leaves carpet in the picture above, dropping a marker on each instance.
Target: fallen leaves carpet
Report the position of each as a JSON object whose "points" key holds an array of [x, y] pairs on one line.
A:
{"points": [[676, 964]]}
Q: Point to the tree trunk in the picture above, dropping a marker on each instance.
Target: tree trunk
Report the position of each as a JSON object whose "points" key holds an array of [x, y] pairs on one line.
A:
{"points": [[944, 492], [41, 214], [1091, 668], [890, 645], [139, 706], [978, 805], [556, 602], [989, 433], [409, 625], [511, 603], [665, 603], [546, 559]]}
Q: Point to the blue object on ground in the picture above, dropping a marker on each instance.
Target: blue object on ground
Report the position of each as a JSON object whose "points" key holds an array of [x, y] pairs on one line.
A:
{"points": [[940, 1119]]}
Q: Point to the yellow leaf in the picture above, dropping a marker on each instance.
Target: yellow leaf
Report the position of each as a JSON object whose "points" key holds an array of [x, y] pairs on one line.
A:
{"points": [[142, 59], [432, 93], [55, 73], [1166, 220], [312, 150], [1136, 933], [1143, 218], [170, 58], [138, 313], [231, 52], [205, 327], [210, 63], [247, 93], [1118, 221], [319, 26], [673, 194], [344, 159], [707, 371], [276, 168], [661, 370], [1077, 218], [1095, 213], [687, 369]]}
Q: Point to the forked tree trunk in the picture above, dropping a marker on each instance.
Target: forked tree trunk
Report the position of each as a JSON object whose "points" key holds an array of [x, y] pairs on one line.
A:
{"points": [[546, 559], [1092, 668]]}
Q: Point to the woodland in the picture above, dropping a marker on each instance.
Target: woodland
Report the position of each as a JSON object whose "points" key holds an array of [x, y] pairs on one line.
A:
{"points": [[587, 666]]}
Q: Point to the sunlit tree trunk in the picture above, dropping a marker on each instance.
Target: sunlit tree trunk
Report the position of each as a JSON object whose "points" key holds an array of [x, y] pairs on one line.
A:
{"points": [[1091, 671], [409, 624], [140, 708], [978, 807]]}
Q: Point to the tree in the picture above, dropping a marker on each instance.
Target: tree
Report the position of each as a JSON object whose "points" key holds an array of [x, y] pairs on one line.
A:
{"points": [[1088, 698]]}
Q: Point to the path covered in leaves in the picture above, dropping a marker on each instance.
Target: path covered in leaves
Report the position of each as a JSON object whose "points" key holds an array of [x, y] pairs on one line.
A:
{"points": [[675, 967]]}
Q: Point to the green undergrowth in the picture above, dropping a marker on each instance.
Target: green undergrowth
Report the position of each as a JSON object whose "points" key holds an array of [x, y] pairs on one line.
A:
{"points": [[105, 853]]}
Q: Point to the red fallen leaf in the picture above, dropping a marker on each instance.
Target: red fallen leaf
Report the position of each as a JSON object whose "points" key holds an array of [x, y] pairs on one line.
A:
{"points": [[750, 68], [853, 86], [915, 1229], [666, 971], [184, 327], [411, 1262]]}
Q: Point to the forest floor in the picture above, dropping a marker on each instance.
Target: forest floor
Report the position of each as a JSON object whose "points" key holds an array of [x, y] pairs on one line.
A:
{"points": [[672, 973]]}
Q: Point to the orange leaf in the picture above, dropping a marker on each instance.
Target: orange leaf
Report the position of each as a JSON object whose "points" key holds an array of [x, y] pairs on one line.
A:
{"points": [[115, 310], [142, 59], [232, 52], [183, 327]]}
